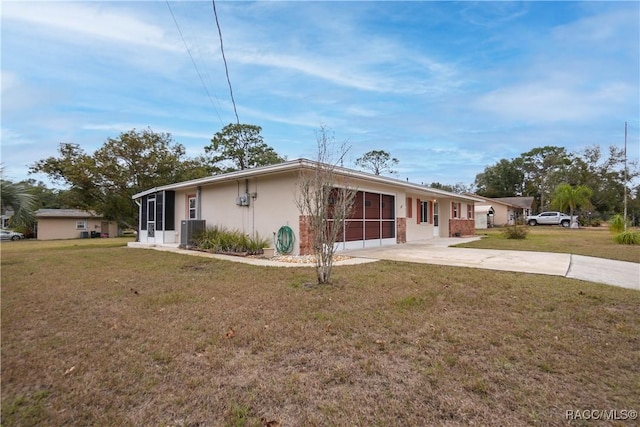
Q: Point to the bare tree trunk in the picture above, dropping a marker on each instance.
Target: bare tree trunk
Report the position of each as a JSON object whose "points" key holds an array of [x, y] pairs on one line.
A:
{"points": [[326, 201]]}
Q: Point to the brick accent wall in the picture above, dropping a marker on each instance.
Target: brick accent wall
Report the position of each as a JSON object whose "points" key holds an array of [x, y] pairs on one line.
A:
{"points": [[401, 234], [305, 241], [462, 227]]}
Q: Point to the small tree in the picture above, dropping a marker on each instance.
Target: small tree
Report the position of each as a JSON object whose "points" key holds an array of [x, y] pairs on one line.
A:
{"points": [[325, 201], [377, 161], [566, 196]]}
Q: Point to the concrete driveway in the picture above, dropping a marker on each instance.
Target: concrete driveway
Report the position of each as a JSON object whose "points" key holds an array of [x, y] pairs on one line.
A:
{"points": [[438, 251]]}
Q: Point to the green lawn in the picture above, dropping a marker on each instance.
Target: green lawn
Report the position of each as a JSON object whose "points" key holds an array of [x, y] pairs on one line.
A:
{"points": [[96, 334], [596, 242]]}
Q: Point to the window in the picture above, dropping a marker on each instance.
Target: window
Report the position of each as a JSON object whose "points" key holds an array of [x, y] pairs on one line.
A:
{"points": [[424, 211], [469, 211], [192, 207], [81, 224], [455, 210]]}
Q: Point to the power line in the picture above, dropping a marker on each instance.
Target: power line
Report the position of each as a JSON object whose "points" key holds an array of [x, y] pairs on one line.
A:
{"points": [[226, 68], [194, 63]]}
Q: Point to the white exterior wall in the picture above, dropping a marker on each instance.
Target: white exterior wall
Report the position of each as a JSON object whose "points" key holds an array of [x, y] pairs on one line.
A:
{"points": [[273, 206], [481, 221], [423, 231]]}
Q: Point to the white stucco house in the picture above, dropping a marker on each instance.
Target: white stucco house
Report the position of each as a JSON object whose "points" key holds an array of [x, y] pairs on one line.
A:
{"points": [[501, 211], [261, 200]]}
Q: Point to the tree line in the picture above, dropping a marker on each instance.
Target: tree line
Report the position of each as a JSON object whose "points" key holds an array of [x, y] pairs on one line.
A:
{"points": [[540, 173]]}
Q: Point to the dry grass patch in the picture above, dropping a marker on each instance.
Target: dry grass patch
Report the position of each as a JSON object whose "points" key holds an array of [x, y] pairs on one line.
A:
{"points": [[119, 336], [596, 242]]}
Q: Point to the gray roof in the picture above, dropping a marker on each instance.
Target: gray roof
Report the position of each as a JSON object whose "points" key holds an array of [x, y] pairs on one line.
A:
{"points": [[65, 213], [521, 202]]}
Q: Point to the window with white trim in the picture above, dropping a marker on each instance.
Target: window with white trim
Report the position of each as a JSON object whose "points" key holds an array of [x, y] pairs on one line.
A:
{"points": [[469, 211], [424, 211], [455, 210], [81, 224], [192, 207]]}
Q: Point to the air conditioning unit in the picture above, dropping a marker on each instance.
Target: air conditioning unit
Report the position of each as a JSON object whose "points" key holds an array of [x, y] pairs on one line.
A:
{"points": [[243, 200], [188, 229]]}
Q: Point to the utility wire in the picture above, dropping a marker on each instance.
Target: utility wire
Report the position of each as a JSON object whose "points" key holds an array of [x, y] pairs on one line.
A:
{"points": [[226, 68], [194, 63]]}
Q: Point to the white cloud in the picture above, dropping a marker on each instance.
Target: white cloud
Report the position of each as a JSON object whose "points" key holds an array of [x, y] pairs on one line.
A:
{"points": [[78, 21]]}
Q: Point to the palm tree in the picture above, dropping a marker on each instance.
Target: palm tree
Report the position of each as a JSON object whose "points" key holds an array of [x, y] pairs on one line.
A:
{"points": [[565, 196], [16, 198]]}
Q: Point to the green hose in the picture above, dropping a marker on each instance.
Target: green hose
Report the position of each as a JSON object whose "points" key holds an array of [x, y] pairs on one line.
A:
{"points": [[284, 240]]}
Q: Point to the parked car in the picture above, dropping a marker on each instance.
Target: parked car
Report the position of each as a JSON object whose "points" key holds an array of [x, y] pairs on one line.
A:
{"points": [[550, 218], [10, 235]]}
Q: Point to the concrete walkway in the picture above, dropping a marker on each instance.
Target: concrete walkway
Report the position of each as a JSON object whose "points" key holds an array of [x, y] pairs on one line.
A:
{"points": [[438, 251]]}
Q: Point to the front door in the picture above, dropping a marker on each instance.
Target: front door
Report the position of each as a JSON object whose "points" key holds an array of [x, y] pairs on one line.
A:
{"points": [[151, 220], [436, 229]]}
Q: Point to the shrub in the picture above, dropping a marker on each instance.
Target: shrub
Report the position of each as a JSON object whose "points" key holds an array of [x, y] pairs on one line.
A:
{"points": [[616, 224], [515, 232], [627, 238], [221, 240], [585, 221]]}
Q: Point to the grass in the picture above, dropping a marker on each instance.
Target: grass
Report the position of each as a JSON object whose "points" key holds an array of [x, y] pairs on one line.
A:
{"points": [[117, 336], [596, 242]]}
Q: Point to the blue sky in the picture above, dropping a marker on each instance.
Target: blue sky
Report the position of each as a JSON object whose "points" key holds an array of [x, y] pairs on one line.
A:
{"points": [[447, 88]]}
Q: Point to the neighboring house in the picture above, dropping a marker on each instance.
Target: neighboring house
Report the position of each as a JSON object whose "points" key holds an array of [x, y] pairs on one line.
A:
{"points": [[72, 224], [524, 205], [261, 200], [501, 211]]}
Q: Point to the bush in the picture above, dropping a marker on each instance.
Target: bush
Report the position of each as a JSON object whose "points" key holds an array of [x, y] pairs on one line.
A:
{"points": [[616, 224], [585, 221], [515, 232], [220, 240], [627, 238]]}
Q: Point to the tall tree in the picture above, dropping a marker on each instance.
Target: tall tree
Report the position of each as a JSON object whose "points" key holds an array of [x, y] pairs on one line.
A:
{"points": [[604, 174], [377, 161], [106, 180], [238, 147], [544, 169], [504, 179], [325, 202], [567, 197]]}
